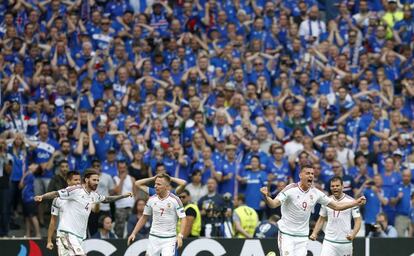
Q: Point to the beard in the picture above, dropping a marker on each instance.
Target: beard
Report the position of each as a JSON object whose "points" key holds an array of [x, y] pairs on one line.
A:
{"points": [[92, 187]]}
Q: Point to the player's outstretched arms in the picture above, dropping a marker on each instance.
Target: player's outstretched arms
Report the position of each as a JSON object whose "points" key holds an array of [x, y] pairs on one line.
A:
{"points": [[47, 196], [317, 228], [271, 202], [340, 206], [110, 199], [141, 222]]}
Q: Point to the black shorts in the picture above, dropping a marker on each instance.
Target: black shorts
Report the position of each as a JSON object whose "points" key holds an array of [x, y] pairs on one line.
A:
{"points": [[29, 209]]}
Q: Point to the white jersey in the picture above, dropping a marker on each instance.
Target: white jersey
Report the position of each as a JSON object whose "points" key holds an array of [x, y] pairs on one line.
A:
{"points": [[56, 210], [296, 208], [339, 222], [78, 205], [165, 213]]}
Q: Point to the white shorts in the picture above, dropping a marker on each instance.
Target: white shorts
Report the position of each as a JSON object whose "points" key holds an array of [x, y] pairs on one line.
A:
{"points": [[69, 245], [161, 246], [336, 249], [292, 245]]}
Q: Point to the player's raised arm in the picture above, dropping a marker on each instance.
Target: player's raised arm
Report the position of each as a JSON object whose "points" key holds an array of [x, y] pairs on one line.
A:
{"points": [[181, 185], [110, 199], [141, 184], [271, 202], [340, 206], [47, 196], [141, 222]]}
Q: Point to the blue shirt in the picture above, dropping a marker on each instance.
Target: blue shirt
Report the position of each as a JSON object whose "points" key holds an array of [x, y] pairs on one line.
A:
{"points": [[266, 230], [110, 168], [372, 207], [28, 189], [102, 145], [226, 168], [403, 207], [255, 180]]}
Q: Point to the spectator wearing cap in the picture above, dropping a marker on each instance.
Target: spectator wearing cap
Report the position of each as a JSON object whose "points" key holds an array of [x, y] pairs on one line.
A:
{"points": [[102, 140], [402, 202]]}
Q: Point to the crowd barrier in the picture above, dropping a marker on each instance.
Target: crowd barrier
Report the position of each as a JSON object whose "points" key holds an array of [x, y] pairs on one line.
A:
{"points": [[208, 247]]}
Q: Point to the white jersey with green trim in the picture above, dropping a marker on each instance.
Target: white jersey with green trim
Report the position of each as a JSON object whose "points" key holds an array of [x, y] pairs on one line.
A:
{"points": [[165, 213], [339, 222], [296, 208], [77, 207]]}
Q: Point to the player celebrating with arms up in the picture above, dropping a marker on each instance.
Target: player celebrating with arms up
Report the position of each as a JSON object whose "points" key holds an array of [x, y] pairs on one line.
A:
{"points": [[165, 209], [297, 201], [338, 232], [74, 219]]}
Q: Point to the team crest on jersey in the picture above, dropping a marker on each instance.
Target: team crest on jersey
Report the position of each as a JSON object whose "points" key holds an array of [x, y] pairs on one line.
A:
{"points": [[169, 205], [311, 197]]}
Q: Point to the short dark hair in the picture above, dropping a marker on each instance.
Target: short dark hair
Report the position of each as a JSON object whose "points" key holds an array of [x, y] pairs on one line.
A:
{"points": [[241, 197], [306, 166], [88, 173], [336, 178], [70, 174]]}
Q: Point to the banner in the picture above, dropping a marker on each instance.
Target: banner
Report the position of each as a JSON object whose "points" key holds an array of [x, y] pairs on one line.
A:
{"points": [[208, 247]]}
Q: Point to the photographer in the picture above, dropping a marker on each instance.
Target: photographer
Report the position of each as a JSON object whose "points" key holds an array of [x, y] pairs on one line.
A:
{"points": [[382, 229], [216, 213]]}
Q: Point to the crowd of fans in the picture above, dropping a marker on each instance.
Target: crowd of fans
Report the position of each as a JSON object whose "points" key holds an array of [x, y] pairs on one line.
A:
{"points": [[227, 95]]}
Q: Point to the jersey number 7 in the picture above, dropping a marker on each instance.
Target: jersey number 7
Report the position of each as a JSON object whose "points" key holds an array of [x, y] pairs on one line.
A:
{"points": [[162, 211]]}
